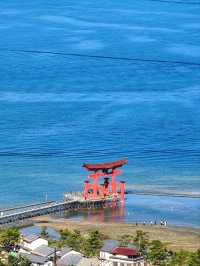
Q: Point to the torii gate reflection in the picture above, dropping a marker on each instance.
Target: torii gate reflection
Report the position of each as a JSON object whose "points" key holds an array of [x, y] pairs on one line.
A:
{"points": [[112, 213]]}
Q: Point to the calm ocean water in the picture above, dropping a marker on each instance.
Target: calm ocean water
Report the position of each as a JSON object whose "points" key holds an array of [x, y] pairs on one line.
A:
{"points": [[58, 112]]}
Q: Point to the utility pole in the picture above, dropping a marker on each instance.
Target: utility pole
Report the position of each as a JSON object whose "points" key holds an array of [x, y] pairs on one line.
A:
{"points": [[55, 258]]}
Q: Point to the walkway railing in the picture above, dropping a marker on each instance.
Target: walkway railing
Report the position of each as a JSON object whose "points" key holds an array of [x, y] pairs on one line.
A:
{"points": [[72, 201]]}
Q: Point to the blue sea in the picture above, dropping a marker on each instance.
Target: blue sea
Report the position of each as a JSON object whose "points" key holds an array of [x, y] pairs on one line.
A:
{"points": [[58, 111]]}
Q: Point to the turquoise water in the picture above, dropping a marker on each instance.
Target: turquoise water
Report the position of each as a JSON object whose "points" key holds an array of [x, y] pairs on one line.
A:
{"points": [[58, 112]]}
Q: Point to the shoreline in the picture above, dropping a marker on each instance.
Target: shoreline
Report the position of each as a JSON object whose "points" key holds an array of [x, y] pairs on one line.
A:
{"points": [[163, 194], [176, 237]]}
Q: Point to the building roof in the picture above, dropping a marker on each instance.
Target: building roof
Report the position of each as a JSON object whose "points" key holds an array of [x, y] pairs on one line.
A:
{"points": [[125, 251], [105, 166], [30, 238], [109, 245], [88, 261], [24, 247], [44, 251], [64, 251], [70, 259], [34, 258]]}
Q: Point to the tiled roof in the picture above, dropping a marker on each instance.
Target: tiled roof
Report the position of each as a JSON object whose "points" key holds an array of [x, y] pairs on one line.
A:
{"points": [[34, 258], [43, 251], [24, 247], [125, 251], [30, 238], [88, 262], [109, 245], [64, 251], [68, 260]]}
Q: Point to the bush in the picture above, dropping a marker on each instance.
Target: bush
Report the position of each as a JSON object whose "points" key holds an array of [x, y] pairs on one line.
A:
{"points": [[195, 259], [92, 244], [72, 239], [158, 254], [18, 261], [9, 238], [180, 258]]}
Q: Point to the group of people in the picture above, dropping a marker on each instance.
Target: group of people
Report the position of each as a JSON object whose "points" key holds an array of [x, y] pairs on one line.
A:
{"points": [[162, 223]]}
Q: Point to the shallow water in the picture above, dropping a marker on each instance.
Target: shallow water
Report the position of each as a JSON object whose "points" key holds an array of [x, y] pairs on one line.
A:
{"points": [[140, 209], [57, 112]]}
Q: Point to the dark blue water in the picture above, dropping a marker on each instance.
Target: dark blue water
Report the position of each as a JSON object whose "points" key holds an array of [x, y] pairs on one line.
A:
{"points": [[57, 112]]}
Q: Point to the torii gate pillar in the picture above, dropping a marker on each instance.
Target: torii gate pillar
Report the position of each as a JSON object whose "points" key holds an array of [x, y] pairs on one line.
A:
{"points": [[106, 170]]}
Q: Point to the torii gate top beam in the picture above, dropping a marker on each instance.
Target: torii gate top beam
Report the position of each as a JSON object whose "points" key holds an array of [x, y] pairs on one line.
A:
{"points": [[105, 166]]}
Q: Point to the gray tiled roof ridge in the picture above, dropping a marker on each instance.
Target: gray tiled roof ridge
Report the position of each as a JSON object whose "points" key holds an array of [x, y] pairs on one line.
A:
{"points": [[34, 258], [43, 250], [64, 251], [109, 244], [30, 238]]}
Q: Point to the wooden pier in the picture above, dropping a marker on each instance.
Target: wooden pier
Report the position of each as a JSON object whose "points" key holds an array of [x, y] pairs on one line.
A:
{"points": [[72, 201]]}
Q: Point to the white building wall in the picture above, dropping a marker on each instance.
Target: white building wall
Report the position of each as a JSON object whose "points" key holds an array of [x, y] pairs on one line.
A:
{"points": [[49, 263], [119, 259], [104, 255]]}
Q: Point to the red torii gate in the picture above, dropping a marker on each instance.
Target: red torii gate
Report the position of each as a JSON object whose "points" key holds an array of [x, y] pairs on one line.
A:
{"points": [[108, 188]]}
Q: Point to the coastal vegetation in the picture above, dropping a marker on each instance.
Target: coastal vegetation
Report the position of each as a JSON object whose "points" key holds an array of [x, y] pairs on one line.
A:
{"points": [[155, 251], [9, 238], [88, 244], [9, 241], [177, 238], [17, 261]]}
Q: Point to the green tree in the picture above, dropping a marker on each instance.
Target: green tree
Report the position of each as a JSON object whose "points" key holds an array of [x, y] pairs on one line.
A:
{"points": [[72, 239], [180, 258], [55, 243], [18, 261], [9, 238], [44, 232], [126, 240], [141, 240], [195, 259], [75, 240], [92, 244], [64, 234], [158, 254]]}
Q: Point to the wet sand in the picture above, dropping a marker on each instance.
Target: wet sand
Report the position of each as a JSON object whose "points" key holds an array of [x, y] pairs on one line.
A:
{"points": [[176, 237]]}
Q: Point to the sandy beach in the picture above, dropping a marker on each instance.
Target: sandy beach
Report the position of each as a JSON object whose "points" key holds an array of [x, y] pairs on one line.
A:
{"points": [[175, 237]]}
